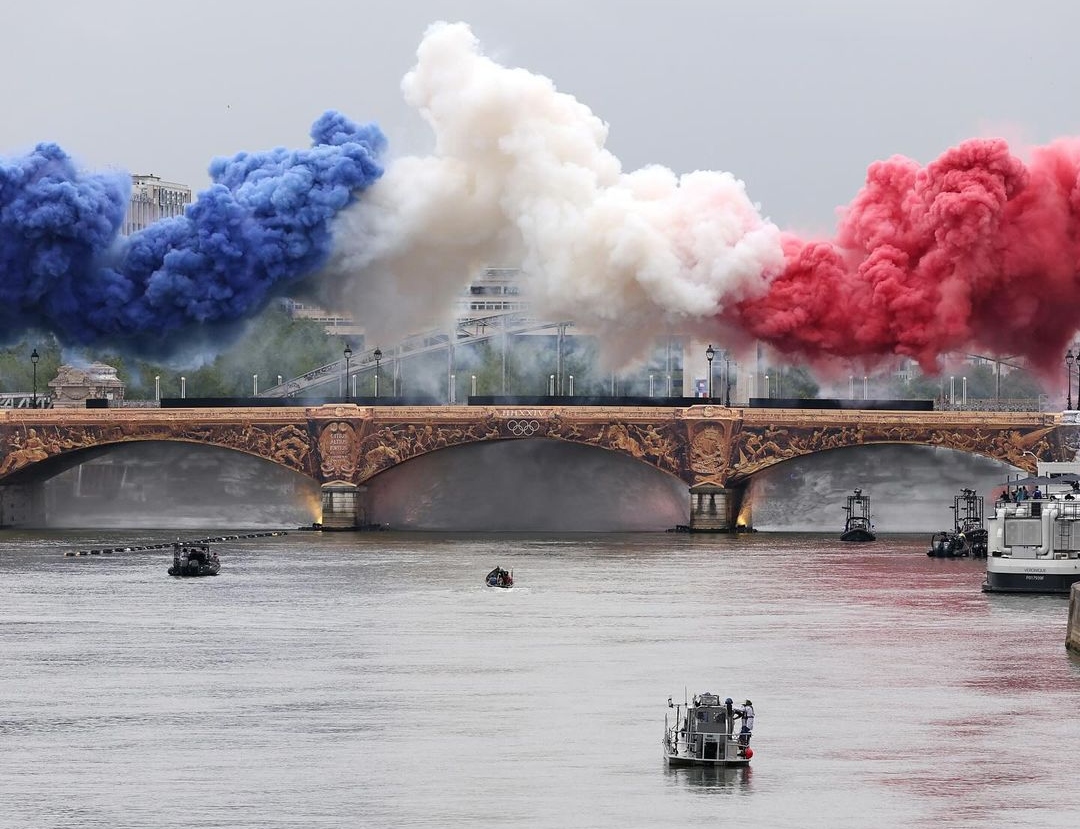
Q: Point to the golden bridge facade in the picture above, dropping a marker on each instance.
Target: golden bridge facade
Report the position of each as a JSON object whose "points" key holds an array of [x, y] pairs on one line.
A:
{"points": [[714, 450]]}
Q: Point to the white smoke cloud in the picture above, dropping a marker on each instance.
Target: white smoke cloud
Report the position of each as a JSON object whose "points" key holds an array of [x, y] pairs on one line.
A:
{"points": [[519, 176]]}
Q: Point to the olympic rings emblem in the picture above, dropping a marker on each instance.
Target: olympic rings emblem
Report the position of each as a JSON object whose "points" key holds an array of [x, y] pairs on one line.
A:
{"points": [[523, 428]]}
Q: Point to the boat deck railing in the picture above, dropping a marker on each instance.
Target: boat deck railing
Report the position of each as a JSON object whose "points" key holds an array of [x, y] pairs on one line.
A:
{"points": [[1032, 508]]}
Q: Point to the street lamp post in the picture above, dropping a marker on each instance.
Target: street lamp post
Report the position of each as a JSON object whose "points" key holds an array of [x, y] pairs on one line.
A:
{"points": [[157, 387], [348, 366], [34, 357], [254, 385], [1069, 360], [183, 387], [378, 356], [710, 352], [571, 385]]}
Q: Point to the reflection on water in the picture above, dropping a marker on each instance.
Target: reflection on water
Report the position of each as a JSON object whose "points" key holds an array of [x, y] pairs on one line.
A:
{"points": [[736, 780]]}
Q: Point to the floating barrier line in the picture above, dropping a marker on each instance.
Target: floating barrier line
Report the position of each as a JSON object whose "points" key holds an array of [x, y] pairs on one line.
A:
{"points": [[168, 545]]}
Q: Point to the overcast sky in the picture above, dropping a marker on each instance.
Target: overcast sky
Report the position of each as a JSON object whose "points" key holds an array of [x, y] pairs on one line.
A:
{"points": [[795, 98]]}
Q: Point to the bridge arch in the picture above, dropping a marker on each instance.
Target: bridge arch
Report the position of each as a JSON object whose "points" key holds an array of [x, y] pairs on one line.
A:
{"points": [[530, 484], [911, 487], [712, 449]]}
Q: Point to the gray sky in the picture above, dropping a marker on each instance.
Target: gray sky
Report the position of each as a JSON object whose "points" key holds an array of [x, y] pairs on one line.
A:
{"points": [[795, 98]]}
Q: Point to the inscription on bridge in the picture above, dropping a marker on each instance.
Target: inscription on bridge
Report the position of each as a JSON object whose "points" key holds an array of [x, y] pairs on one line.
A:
{"points": [[535, 414]]}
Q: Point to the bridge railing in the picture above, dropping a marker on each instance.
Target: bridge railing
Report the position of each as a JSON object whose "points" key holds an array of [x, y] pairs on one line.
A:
{"points": [[24, 400]]}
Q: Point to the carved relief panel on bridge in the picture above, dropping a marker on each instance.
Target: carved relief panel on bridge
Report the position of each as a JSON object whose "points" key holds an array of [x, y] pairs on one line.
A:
{"points": [[710, 451], [763, 446], [386, 446], [288, 445], [338, 449]]}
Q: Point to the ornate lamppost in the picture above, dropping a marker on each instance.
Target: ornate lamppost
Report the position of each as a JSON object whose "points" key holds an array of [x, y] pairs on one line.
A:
{"points": [[1069, 360], [348, 361], [710, 352], [34, 357], [378, 356]]}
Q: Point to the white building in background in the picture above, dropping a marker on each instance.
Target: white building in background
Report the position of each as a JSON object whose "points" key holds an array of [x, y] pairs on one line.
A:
{"points": [[493, 291], [335, 324], [153, 199]]}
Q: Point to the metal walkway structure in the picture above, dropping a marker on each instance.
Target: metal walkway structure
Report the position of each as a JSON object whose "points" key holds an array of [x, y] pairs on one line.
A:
{"points": [[467, 332]]}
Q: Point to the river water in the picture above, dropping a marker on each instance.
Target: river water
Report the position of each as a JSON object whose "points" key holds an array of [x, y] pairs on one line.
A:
{"points": [[370, 680]]}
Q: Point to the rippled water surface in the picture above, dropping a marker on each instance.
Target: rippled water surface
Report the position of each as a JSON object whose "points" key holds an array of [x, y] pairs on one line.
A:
{"points": [[348, 680]]}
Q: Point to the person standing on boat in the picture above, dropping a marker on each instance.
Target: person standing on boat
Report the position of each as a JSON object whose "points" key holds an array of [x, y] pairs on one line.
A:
{"points": [[746, 711]]}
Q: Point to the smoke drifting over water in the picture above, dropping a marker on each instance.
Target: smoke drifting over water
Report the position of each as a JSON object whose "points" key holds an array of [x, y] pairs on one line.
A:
{"points": [[528, 485], [154, 485], [510, 486], [972, 252], [911, 488]]}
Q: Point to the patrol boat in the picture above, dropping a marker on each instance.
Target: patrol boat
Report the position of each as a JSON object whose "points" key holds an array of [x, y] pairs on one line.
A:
{"points": [[968, 536], [1034, 542], [857, 527], [194, 558], [704, 734]]}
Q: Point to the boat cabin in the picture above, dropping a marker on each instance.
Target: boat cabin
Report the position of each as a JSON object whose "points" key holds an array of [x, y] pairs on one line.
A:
{"points": [[704, 734], [858, 526]]}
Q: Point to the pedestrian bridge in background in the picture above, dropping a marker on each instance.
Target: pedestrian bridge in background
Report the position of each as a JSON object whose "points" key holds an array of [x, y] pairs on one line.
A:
{"points": [[713, 449]]}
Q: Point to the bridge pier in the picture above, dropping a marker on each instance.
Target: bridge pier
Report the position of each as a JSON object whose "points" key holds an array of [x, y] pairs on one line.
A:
{"points": [[22, 505], [344, 506], [715, 509]]}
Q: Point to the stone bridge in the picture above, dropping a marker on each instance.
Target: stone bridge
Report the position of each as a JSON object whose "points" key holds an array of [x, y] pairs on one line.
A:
{"points": [[713, 449]]}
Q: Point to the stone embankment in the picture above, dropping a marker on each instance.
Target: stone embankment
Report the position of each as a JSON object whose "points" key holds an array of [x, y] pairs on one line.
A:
{"points": [[1072, 637]]}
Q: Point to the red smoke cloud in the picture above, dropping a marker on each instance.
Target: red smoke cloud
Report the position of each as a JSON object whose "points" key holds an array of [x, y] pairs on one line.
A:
{"points": [[976, 252]]}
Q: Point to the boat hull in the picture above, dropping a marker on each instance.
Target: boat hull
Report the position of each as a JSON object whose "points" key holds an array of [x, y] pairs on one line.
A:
{"points": [[858, 536], [1032, 576], [676, 761], [188, 571]]}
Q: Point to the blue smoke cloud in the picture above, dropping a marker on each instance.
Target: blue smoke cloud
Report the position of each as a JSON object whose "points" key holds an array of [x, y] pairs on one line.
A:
{"points": [[262, 226]]}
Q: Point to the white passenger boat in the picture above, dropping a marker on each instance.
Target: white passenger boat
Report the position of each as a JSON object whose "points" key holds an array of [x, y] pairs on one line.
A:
{"points": [[704, 733], [1034, 538]]}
